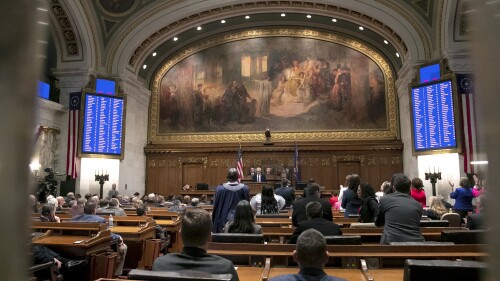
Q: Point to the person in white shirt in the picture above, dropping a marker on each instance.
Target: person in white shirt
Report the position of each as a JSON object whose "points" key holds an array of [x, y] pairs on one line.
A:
{"points": [[267, 202]]}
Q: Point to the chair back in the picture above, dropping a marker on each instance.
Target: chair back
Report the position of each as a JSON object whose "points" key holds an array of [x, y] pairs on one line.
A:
{"points": [[454, 219], [443, 270], [423, 243], [463, 236], [434, 223], [183, 275], [238, 238], [343, 240], [272, 216]]}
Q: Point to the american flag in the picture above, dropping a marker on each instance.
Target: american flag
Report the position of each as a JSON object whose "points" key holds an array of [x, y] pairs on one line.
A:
{"points": [[296, 164], [74, 121], [465, 90], [239, 164]]}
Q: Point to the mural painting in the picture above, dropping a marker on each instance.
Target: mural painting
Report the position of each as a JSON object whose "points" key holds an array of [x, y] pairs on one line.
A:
{"points": [[288, 84]]}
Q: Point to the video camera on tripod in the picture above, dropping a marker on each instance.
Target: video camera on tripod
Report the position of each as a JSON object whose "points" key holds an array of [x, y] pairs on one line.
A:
{"points": [[48, 186]]}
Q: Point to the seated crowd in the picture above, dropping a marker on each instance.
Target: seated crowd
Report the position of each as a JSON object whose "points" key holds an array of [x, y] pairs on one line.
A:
{"points": [[398, 207]]}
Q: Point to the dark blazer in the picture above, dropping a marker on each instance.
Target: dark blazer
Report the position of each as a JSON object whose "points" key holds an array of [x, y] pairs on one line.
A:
{"points": [[299, 209], [286, 192], [474, 221], [262, 178], [327, 228]]}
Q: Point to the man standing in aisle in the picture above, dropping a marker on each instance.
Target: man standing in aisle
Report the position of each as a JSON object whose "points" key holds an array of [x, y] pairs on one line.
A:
{"points": [[226, 198]]}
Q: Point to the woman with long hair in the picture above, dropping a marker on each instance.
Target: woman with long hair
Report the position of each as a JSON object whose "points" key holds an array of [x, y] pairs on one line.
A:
{"points": [[350, 200], [267, 202], [417, 191], [244, 221], [436, 208], [463, 197], [369, 209]]}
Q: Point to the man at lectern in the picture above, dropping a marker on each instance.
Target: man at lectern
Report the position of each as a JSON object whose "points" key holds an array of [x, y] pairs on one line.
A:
{"points": [[259, 177]]}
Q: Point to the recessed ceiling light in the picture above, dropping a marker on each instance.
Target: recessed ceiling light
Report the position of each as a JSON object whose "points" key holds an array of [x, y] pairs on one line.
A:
{"points": [[154, 54], [247, 17], [361, 28], [308, 16], [175, 38], [334, 20], [144, 66], [198, 28], [481, 162], [283, 14], [397, 55], [223, 21], [386, 42]]}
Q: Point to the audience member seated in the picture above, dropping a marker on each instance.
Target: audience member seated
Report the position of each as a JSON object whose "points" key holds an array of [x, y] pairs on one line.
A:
{"points": [[436, 208], [311, 256], [52, 200], [89, 216], [78, 209], [287, 192], [161, 201], [475, 221], [65, 266], [196, 229], [350, 200], [315, 221], [244, 221], [418, 192], [34, 206], [70, 196], [399, 214], [463, 197], [195, 202], [334, 198], [267, 202], [176, 207], [186, 201], [103, 204], [114, 207], [48, 214], [60, 203], [369, 209], [385, 188], [311, 193], [203, 200]]}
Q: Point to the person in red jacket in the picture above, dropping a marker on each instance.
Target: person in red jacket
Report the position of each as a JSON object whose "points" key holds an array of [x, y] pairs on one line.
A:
{"points": [[417, 191]]}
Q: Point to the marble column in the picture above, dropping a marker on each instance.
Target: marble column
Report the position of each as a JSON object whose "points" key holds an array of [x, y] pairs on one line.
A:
{"points": [[21, 60]]}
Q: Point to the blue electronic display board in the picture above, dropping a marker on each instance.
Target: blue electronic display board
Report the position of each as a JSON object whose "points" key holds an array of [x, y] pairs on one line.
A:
{"points": [[433, 117], [430, 73], [43, 90], [103, 86], [103, 125]]}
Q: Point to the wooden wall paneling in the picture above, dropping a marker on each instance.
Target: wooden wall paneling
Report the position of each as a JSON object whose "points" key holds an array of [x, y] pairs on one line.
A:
{"points": [[192, 173], [151, 175]]}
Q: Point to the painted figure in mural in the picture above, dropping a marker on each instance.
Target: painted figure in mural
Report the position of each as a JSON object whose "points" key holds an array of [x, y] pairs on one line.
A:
{"points": [[242, 96], [279, 92], [265, 94], [341, 91], [293, 79], [226, 103], [198, 106]]}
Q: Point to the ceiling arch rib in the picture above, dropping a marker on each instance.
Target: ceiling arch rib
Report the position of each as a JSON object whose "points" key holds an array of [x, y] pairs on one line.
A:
{"points": [[152, 31]]}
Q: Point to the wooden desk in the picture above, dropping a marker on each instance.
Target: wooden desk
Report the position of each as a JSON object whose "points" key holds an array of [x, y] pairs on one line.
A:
{"points": [[249, 273], [344, 222], [348, 274], [173, 227], [387, 274], [374, 234], [287, 222], [135, 238], [354, 252]]}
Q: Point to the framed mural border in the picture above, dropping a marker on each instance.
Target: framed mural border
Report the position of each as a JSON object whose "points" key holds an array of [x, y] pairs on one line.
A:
{"points": [[390, 132]]}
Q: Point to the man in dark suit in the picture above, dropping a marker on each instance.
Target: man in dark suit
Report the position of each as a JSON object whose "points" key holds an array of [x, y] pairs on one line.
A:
{"points": [[311, 193], [316, 221], [399, 214], [258, 176], [286, 192]]}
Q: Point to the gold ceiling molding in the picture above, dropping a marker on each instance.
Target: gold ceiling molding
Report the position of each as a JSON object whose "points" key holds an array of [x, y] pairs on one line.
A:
{"points": [[391, 132], [146, 46]]}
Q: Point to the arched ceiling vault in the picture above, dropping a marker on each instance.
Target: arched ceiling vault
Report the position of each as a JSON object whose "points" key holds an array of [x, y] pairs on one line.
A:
{"points": [[130, 31]]}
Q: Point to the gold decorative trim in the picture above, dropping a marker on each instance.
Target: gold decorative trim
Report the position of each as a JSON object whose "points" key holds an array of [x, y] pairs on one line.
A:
{"points": [[163, 34], [391, 132], [66, 29], [346, 158], [151, 163], [117, 15], [184, 160]]}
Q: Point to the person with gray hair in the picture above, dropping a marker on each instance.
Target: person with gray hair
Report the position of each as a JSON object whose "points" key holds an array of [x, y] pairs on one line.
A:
{"points": [[311, 256], [114, 206], [315, 221]]}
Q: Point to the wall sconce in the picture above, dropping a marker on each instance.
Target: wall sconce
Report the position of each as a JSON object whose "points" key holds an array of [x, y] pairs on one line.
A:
{"points": [[35, 166]]}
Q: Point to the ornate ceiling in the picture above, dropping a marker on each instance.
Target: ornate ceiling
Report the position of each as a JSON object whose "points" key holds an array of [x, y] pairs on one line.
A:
{"points": [[124, 34]]}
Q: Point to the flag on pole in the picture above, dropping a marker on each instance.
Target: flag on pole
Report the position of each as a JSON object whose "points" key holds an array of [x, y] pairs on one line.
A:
{"points": [[465, 90], [296, 164], [239, 164], [73, 124]]}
